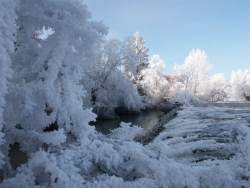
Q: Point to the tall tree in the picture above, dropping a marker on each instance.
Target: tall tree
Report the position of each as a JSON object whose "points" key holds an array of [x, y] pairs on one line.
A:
{"points": [[7, 37], [55, 42], [216, 88], [240, 85], [135, 55], [194, 71], [106, 75], [152, 82]]}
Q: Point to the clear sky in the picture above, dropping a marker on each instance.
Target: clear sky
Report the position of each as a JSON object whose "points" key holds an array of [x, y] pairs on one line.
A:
{"points": [[172, 28]]}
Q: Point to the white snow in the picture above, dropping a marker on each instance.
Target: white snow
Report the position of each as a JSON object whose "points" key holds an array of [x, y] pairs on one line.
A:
{"points": [[44, 33], [212, 141], [202, 147]]}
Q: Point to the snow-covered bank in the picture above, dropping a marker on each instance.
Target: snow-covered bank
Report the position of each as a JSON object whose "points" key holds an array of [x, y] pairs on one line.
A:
{"points": [[152, 130], [231, 104], [201, 147], [212, 141]]}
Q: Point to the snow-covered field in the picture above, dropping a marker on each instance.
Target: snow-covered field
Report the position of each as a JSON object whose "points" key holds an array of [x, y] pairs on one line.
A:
{"points": [[209, 143]]}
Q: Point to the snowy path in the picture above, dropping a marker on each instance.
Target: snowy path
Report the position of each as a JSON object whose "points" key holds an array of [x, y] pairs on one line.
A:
{"points": [[210, 138]]}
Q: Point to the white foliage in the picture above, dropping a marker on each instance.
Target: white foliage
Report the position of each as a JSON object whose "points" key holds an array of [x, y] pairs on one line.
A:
{"points": [[156, 64], [216, 89], [135, 55], [184, 96], [152, 79], [106, 82], [127, 131], [240, 85], [46, 94], [194, 72], [44, 33]]}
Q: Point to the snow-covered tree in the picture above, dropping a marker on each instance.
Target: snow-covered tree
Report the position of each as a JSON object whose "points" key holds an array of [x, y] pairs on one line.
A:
{"points": [[216, 89], [55, 42], [7, 37], [135, 55], [240, 85], [99, 72], [106, 82], [194, 72], [152, 81]]}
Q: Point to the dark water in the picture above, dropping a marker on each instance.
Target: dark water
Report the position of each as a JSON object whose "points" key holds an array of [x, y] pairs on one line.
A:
{"points": [[146, 120]]}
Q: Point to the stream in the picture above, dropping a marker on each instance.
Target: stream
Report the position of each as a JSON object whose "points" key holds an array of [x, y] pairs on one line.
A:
{"points": [[146, 120], [151, 121]]}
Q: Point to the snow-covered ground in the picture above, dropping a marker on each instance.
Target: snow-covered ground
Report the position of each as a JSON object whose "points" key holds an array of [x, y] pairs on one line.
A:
{"points": [[203, 147], [210, 143]]}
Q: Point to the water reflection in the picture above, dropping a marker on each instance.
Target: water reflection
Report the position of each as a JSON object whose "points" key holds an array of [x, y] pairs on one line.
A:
{"points": [[145, 119]]}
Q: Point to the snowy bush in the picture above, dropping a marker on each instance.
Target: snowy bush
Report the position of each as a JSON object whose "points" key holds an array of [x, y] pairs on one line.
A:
{"points": [[216, 89], [240, 85], [126, 132], [106, 82], [153, 83], [193, 82], [194, 72]]}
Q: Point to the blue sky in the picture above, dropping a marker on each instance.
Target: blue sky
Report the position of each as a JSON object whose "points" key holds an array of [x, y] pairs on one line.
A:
{"points": [[172, 28]]}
